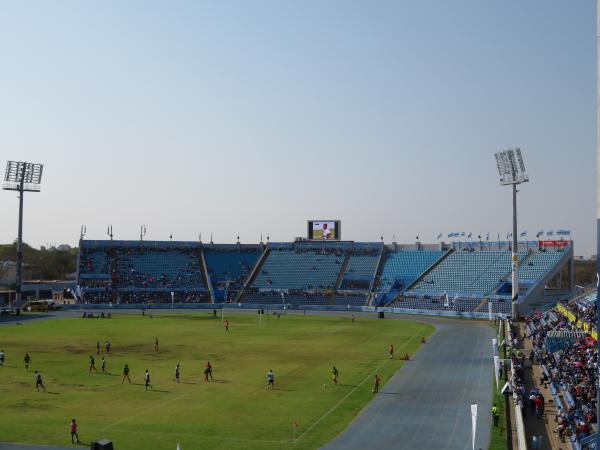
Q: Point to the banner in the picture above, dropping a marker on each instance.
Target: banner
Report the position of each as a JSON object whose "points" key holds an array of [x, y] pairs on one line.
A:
{"points": [[495, 346], [496, 369], [474, 421], [490, 310]]}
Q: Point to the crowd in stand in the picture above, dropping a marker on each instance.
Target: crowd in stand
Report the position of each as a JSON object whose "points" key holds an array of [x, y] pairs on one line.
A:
{"points": [[571, 368], [122, 271]]}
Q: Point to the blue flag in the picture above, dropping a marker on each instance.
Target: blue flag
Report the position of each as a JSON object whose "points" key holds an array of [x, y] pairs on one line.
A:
{"points": [[563, 232], [524, 233], [550, 233], [439, 235]]}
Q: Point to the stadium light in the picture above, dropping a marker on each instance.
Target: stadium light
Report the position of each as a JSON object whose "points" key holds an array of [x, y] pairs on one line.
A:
{"points": [[511, 169], [597, 440], [22, 177]]}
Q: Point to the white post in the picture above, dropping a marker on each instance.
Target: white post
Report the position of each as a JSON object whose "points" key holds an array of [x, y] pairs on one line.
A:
{"points": [[222, 311], [172, 299]]}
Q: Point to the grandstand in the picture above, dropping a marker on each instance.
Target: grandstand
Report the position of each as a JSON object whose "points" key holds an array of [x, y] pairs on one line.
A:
{"points": [[433, 277]]}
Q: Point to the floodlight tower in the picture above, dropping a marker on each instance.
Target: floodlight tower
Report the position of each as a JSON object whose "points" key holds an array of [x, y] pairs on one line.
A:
{"points": [[512, 172], [22, 177], [597, 440]]}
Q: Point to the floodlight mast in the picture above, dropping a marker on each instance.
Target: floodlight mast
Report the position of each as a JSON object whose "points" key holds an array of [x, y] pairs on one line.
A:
{"points": [[21, 177], [511, 169], [597, 440]]}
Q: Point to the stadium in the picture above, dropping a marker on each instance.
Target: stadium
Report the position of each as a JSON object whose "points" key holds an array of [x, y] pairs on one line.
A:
{"points": [[327, 130]]}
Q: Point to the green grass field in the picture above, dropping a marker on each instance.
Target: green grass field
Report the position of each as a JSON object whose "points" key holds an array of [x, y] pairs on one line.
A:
{"points": [[232, 412]]}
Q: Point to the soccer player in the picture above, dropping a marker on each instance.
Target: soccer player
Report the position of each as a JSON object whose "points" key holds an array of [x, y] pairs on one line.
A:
{"points": [[126, 374], [391, 351], [335, 373], [147, 379], [176, 373], [155, 344], [103, 365], [38, 381], [97, 347], [27, 360], [74, 435], [226, 324], [92, 364], [270, 379], [353, 317], [107, 346], [376, 384], [1, 357]]}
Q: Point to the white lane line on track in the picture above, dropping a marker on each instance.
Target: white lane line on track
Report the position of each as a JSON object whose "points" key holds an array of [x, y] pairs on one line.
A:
{"points": [[334, 407]]}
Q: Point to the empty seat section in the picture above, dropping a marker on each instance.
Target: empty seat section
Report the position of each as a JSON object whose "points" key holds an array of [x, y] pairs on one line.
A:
{"points": [[404, 267], [306, 270]]}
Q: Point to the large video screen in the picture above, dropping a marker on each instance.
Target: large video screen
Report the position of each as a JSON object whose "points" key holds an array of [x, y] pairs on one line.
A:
{"points": [[324, 230]]}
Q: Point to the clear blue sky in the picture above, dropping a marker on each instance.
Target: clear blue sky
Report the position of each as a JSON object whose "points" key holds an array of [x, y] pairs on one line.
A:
{"points": [[249, 117]]}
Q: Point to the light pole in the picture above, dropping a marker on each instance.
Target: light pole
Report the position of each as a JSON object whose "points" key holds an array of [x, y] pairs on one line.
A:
{"points": [[21, 177], [512, 172], [598, 212]]}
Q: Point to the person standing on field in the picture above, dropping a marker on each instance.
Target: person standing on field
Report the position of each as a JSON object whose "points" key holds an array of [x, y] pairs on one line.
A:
{"points": [[147, 379], [74, 435], [376, 384], [270, 380], [38, 381], [92, 364], [391, 351], [126, 374], [27, 360], [177, 373]]}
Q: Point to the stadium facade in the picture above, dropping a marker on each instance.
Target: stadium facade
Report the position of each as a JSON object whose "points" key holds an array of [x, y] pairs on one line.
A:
{"points": [[457, 276]]}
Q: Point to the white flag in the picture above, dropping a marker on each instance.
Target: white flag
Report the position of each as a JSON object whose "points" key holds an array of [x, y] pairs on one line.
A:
{"points": [[490, 309], [495, 346], [178, 448], [474, 421], [446, 303], [496, 368]]}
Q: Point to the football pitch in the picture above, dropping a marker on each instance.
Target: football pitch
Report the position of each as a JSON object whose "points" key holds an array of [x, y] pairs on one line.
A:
{"points": [[234, 411]]}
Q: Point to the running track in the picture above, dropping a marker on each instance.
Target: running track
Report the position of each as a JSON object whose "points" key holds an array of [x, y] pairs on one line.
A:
{"points": [[426, 405]]}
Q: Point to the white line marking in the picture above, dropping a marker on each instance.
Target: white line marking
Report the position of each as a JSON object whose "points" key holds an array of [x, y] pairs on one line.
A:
{"points": [[334, 407]]}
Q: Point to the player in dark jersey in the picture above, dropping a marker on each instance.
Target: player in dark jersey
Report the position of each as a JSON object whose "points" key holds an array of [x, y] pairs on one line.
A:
{"points": [[177, 368], [27, 360], [92, 364], [39, 382], [126, 374]]}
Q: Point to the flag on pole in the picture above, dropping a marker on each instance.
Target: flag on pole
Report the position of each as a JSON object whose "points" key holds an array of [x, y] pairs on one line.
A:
{"points": [[487, 237], [497, 369], [563, 232], [523, 233], [470, 234], [550, 233], [439, 236], [474, 421], [446, 301], [539, 233]]}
